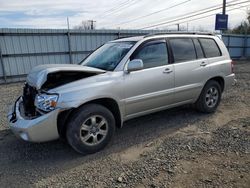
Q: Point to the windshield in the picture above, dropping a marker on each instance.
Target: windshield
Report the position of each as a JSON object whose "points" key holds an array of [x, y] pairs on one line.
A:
{"points": [[108, 56]]}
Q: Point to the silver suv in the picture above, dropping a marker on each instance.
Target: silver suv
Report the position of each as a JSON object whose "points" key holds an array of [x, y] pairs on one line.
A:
{"points": [[122, 79]]}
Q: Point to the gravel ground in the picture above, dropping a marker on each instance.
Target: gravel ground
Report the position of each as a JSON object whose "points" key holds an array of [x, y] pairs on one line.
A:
{"points": [[174, 148]]}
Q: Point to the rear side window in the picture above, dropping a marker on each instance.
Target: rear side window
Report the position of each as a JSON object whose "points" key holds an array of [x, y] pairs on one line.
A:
{"points": [[153, 54], [198, 49], [210, 47], [183, 49]]}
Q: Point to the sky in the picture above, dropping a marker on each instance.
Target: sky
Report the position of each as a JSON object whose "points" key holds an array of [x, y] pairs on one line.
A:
{"points": [[114, 14]]}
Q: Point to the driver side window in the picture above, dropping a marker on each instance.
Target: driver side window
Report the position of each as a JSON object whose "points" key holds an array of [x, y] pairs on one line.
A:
{"points": [[153, 54]]}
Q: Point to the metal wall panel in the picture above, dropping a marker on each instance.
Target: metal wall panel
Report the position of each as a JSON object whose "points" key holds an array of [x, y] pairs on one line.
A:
{"points": [[235, 52], [236, 41], [248, 41], [23, 49], [237, 45]]}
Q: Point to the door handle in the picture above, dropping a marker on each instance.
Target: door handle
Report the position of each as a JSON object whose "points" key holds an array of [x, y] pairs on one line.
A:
{"points": [[203, 64], [167, 71]]}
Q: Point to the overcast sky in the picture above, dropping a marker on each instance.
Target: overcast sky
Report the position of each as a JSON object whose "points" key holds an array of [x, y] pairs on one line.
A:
{"points": [[112, 13]]}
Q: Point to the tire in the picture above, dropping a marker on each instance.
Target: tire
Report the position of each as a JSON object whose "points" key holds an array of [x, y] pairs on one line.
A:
{"points": [[206, 102], [90, 128]]}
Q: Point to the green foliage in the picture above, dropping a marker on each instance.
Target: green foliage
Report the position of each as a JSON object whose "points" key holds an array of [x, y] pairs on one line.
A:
{"points": [[243, 28]]}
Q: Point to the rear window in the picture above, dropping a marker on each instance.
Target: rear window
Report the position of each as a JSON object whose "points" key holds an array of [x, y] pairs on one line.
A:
{"points": [[183, 49], [210, 47]]}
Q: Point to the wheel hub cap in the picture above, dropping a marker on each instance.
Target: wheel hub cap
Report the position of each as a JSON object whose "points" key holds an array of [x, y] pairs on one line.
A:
{"points": [[212, 97], [94, 130]]}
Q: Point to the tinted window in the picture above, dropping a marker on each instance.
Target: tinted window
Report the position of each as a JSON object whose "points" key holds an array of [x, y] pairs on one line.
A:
{"points": [[210, 47], [153, 54], [198, 49], [183, 49], [108, 56]]}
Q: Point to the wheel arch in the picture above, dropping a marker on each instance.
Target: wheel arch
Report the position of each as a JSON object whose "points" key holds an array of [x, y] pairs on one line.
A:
{"points": [[218, 79], [109, 103]]}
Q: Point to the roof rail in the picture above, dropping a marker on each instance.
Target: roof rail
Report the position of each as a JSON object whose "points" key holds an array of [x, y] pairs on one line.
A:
{"points": [[129, 36], [176, 33]]}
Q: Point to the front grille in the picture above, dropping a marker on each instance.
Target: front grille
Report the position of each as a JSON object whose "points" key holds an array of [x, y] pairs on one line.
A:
{"points": [[29, 94]]}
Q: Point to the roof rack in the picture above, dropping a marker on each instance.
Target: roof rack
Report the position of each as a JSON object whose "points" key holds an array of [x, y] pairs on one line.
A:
{"points": [[176, 33]]}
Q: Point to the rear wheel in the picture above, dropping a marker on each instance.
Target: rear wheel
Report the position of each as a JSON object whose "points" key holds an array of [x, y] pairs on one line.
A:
{"points": [[90, 128], [209, 98]]}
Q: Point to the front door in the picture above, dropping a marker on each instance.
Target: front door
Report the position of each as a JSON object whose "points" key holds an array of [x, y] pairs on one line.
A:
{"points": [[151, 88]]}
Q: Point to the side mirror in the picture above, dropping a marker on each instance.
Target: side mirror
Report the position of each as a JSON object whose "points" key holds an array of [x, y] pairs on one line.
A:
{"points": [[134, 65]]}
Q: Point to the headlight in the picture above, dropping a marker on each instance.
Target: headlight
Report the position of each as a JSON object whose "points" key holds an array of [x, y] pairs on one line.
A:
{"points": [[46, 102]]}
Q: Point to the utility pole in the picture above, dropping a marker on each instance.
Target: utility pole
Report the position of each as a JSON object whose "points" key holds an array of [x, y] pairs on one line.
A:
{"points": [[178, 27], [224, 7], [69, 43], [223, 10], [92, 24], [68, 23]]}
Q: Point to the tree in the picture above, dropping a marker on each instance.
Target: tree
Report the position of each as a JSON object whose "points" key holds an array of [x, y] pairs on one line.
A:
{"points": [[86, 25], [248, 16], [243, 28]]}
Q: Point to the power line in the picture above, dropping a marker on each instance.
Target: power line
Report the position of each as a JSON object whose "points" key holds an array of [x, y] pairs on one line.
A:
{"points": [[188, 13], [173, 7], [119, 4], [208, 9], [186, 16], [119, 7], [122, 3], [205, 16], [242, 8], [129, 4], [156, 12]]}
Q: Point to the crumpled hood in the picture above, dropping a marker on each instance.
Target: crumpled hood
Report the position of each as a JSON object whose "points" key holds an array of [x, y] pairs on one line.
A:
{"points": [[38, 75]]}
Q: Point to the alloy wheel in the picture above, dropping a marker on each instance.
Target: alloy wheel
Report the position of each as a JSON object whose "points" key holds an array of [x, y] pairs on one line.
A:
{"points": [[212, 97], [94, 130]]}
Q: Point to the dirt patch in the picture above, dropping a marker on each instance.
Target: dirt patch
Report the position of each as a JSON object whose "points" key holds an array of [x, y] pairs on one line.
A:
{"points": [[210, 170], [133, 154], [8, 94]]}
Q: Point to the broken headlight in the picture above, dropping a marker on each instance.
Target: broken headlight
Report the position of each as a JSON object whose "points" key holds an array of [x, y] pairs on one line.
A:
{"points": [[46, 102]]}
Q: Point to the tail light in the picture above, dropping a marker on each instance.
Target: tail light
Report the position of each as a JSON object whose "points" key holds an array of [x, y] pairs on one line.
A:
{"points": [[232, 66]]}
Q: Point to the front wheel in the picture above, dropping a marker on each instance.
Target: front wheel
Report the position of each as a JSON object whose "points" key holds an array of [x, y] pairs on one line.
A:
{"points": [[90, 128], [209, 98]]}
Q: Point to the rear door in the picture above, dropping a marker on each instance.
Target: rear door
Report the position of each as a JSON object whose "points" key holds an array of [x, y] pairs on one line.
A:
{"points": [[214, 55], [153, 87], [191, 70]]}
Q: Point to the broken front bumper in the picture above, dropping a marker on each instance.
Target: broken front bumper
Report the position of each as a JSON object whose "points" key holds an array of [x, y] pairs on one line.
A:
{"points": [[39, 129]]}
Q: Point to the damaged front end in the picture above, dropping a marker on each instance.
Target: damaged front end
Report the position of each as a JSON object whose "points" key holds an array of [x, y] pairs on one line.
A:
{"points": [[34, 115], [60, 78], [37, 99], [29, 95], [36, 129], [53, 75], [36, 103]]}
